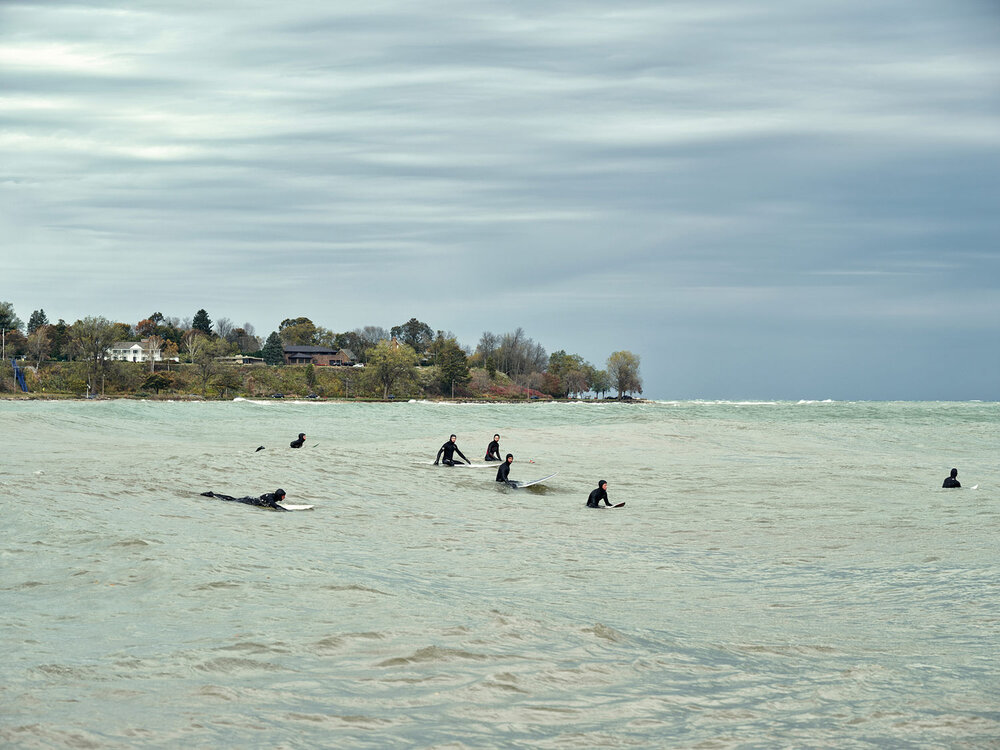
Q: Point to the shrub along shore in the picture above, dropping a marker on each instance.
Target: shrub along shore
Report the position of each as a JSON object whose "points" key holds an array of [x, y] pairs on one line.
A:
{"points": [[179, 381]]}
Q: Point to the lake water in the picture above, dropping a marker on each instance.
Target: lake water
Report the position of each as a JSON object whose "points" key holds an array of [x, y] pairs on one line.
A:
{"points": [[782, 575]]}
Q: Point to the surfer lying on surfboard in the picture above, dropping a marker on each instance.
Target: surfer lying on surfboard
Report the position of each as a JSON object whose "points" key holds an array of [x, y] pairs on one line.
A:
{"points": [[450, 449], [269, 500]]}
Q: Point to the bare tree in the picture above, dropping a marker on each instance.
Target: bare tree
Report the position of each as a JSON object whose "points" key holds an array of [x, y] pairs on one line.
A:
{"points": [[224, 327], [152, 345], [39, 344], [193, 342]]}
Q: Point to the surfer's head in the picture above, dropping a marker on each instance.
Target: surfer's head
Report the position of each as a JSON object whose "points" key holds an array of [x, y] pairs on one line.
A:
{"points": [[301, 435], [602, 484], [453, 438], [279, 494], [954, 473], [510, 458], [496, 437]]}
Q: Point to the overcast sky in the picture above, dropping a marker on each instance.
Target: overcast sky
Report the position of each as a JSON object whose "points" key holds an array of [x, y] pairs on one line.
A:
{"points": [[775, 199]]}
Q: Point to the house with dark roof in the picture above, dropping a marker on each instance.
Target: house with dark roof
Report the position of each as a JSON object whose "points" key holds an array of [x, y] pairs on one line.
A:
{"points": [[318, 355]]}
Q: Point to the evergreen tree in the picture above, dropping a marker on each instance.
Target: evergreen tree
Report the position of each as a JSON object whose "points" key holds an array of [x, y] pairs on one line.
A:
{"points": [[8, 320], [273, 351], [202, 322], [37, 320]]}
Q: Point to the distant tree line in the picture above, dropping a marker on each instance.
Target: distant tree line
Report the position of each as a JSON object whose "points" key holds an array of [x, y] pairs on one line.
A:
{"points": [[409, 357]]}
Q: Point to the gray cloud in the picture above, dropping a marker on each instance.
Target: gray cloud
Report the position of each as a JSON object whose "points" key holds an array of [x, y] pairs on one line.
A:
{"points": [[690, 180]]}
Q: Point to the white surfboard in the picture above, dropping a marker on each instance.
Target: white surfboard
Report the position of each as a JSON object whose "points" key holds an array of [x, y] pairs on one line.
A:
{"points": [[289, 506], [522, 485], [467, 466]]}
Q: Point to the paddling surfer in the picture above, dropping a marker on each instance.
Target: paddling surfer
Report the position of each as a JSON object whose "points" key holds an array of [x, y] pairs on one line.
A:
{"points": [[503, 471], [601, 493], [951, 481], [268, 500], [449, 450], [298, 442], [493, 449]]}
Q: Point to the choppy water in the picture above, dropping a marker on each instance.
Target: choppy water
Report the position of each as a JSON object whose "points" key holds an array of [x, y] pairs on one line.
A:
{"points": [[783, 575]]}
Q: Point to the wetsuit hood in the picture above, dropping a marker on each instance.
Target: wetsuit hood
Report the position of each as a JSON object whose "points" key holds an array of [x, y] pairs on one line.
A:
{"points": [[601, 483], [279, 494], [954, 472]]}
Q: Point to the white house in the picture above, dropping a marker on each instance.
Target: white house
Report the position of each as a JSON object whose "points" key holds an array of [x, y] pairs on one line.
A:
{"points": [[133, 351]]}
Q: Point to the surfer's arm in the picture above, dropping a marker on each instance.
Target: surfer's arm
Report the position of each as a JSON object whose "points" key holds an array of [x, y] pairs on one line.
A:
{"points": [[437, 458], [463, 456]]}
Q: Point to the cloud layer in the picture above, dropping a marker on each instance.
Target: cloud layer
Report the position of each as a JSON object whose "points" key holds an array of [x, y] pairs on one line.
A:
{"points": [[776, 201]]}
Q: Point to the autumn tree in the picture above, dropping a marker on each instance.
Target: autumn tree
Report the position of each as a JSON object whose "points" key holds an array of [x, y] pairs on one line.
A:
{"points": [[297, 332], [205, 358], [452, 364], [389, 366], [623, 370], [598, 381], [89, 341], [227, 381], [157, 381]]}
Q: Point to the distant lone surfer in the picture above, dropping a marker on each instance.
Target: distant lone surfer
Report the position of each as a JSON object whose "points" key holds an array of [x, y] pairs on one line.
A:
{"points": [[449, 450], [269, 500], [493, 449], [298, 442], [503, 470], [601, 493], [951, 480]]}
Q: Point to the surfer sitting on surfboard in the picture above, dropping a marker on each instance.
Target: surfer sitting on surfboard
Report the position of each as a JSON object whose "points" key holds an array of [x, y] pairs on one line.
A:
{"points": [[450, 449], [601, 493], [269, 500], [503, 471], [298, 443], [493, 449]]}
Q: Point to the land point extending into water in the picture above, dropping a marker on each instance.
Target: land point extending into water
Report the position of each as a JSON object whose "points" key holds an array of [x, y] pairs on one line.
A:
{"points": [[224, 382]]}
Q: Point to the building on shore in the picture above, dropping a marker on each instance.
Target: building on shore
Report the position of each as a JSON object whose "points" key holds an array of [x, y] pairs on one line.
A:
{"points": [[318, 355]]}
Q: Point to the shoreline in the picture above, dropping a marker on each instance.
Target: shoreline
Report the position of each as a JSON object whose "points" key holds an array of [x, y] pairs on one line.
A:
{"points": [[298, 399]]}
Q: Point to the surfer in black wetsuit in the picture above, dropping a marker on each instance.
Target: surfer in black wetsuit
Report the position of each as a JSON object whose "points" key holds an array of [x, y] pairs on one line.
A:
{"points": [[493, 449], [449, 450], [269, 500], [601, 493], [298, 443], [503, 470], [951, 480]]}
